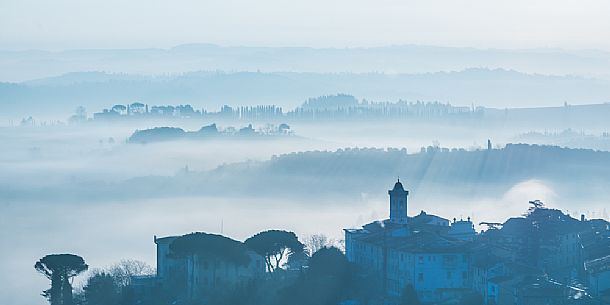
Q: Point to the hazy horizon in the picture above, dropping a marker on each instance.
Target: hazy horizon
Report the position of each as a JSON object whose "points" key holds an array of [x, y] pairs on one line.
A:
{"points": [[124, 121], [255, 45], [69, 24]]}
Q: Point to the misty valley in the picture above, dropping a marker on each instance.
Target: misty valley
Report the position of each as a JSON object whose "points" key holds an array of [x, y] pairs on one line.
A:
{"points": [[305, 152], [142, 170]]}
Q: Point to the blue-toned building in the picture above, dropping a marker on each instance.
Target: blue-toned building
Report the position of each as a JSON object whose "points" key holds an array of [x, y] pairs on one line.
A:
{"points": [[424, 252]]}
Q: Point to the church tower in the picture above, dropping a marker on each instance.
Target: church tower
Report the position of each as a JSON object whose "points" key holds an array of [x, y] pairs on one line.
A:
{"points": [[398, 204]]}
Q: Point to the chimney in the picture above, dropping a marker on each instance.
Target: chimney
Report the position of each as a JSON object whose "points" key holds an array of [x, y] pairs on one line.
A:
{"points": [[582, 217]]}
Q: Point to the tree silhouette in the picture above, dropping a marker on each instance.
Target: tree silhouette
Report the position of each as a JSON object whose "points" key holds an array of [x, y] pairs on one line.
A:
{"points": [[274, 246], [124, 270], [119, 108], [326, 282], [329, 261], [101, 289], [60, 269], [315, 242]]}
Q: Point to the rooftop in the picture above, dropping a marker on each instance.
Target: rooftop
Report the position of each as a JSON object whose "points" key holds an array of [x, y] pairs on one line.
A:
{"points": [[598, 265], [416, 242]]}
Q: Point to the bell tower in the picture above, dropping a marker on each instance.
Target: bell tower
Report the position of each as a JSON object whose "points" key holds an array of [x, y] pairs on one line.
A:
{"points": [[398, 204]]}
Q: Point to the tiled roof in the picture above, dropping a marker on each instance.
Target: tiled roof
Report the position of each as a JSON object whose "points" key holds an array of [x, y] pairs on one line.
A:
{"points": [[416, 242]]}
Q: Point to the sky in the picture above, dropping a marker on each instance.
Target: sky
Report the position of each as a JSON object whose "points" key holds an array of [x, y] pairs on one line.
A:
{"points": [[515, 24]]}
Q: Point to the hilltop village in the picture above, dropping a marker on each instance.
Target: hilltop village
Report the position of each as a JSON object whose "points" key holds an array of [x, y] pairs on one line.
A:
{"points": [[544, 257]]}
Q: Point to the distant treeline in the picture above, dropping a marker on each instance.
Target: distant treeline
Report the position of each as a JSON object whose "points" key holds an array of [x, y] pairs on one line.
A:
{"points": [[489, 87], [328, 107], [344, 107], [363, 170], [348, 173], [158, 134]]}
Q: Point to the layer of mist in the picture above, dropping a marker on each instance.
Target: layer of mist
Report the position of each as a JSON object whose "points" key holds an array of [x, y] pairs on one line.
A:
{"points": [[81, 187]]}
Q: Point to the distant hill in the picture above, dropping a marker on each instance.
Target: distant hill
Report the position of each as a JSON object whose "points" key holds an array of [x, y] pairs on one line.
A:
{"points": [[574, 174], [412, 59], [492, 88], [574, 171]]}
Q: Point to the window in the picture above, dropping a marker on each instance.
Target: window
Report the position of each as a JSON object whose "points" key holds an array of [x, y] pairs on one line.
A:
{"points": [[464, 274], [450, 260], [420, 277], [205, 265], [421, 259], [448, 275]]}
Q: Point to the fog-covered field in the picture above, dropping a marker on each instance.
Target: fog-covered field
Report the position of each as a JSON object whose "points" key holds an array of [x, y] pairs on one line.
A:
{"points": [[100, 150], [82, 188], [43, 161]]}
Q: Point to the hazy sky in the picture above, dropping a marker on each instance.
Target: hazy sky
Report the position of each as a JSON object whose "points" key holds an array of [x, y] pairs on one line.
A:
{"points": [[60, 24]]}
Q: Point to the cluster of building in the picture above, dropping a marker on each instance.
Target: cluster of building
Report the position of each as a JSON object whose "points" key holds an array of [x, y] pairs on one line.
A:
{"points": [[544, 257]]}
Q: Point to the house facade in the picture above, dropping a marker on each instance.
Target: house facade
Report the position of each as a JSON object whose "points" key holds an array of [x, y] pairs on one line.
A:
{"points": [[420, 252], [194, 276]]}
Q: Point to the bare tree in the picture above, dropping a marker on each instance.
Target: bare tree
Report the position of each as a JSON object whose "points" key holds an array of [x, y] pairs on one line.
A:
{"points": [[125, 269], [315, 242]]}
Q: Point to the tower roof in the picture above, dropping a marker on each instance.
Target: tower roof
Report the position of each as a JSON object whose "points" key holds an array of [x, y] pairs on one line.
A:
{"points": [[398, 186]]}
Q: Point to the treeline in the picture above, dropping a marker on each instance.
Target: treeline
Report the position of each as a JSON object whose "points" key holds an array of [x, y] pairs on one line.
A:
{"points": [[158, 134], [511, 163], [348, 173], [286, 89], [354, 171], [327, 107], [103, 286]]}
